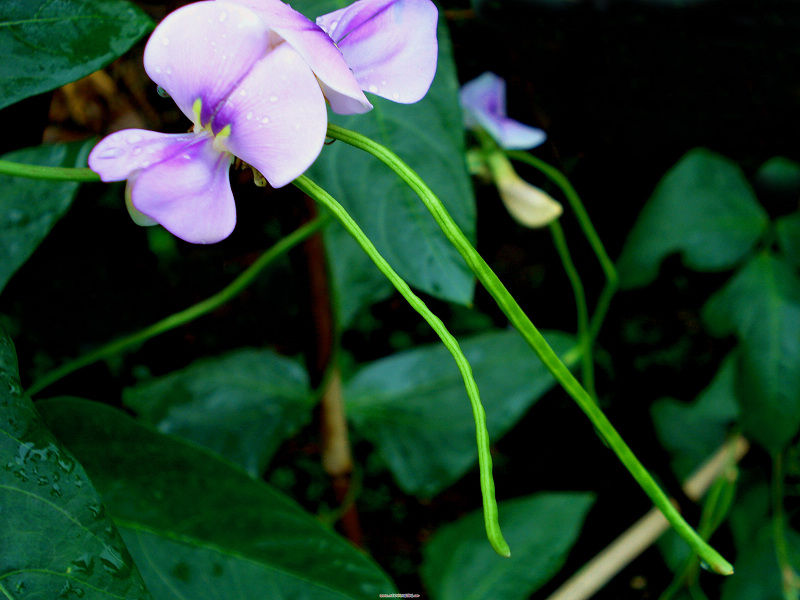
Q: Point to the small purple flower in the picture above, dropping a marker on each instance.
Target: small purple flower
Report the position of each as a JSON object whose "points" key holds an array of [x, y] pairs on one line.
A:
{"points": [[249, 95], [484, 103]]}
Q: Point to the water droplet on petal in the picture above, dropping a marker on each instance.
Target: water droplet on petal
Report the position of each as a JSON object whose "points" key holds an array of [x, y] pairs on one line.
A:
{"points": [[137, 150], [222, 17], [186, 156], [249, 115], [396, 96], [383, 82], [158, 69], [134, 138], [165, 41], [111, 153], [265, 120], [273, 98], [373, 88]]}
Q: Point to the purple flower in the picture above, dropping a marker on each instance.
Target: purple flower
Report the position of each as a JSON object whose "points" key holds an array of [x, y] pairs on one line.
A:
{"points": [[249, 94], [484, 103]]}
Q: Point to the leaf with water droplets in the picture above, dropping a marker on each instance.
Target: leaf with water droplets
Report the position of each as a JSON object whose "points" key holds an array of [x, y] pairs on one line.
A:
{"points": [[47, 43], [55, 538], [31, 207], [197, 526]]}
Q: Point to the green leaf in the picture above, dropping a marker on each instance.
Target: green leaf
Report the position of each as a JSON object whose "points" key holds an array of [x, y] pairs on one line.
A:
{"points": [[788, 232], [241, 405], [55, 539], [692, 432], [703, 208], [413, 407], [758, 576], [46, 44], [458, 564], [761, 305], [429, 136], [779, 175], [29, 207], [200, 528]]}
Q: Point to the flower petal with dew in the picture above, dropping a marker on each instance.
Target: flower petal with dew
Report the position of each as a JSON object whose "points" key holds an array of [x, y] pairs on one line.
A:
{"points": [[246, 96], [389, 44], [484, 103], [318, 50]]}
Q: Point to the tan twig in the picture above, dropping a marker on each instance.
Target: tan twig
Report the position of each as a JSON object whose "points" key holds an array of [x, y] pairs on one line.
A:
{"points": [[599, 571]]}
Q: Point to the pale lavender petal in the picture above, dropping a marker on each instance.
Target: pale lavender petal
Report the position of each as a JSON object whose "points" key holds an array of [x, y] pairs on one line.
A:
{"points": [[122, 153], [511, 134], [389, 44], [484, 103], [486, 94], [277, 116], [201, 51], [318, 50], [189, 194]]}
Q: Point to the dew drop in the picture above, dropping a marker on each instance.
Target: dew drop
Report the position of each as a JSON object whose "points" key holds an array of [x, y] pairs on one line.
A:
{"points": [[383, 82], [162, 92], [265, 120], [56, 491], [222, 17], [97, 510], [186, 156], [168, 70], [42, 480], [137, 151], [165, 41], [373, 88], [249, 115], [273, 98], [134, 138], [158, 69], [111, 153], [396, 96], [145, 164], [243, 92]]}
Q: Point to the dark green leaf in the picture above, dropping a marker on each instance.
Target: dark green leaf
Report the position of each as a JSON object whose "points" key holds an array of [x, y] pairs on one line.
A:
{"points": [[758, 576], [692, 432], [30, 207], [761, 305], [780, 175], [788, 231], [55, 540], [703, 208], [241, 405], [200, 528], [413, 406], [460, 565], [429, 136], [45, 43]]}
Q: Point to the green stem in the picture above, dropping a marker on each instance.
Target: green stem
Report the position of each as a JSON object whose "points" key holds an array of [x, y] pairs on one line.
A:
{"points": [[185, 316], [537, 342], [589, 231], [15, 169], [587, 364], [482, 434], [789, 578]]}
